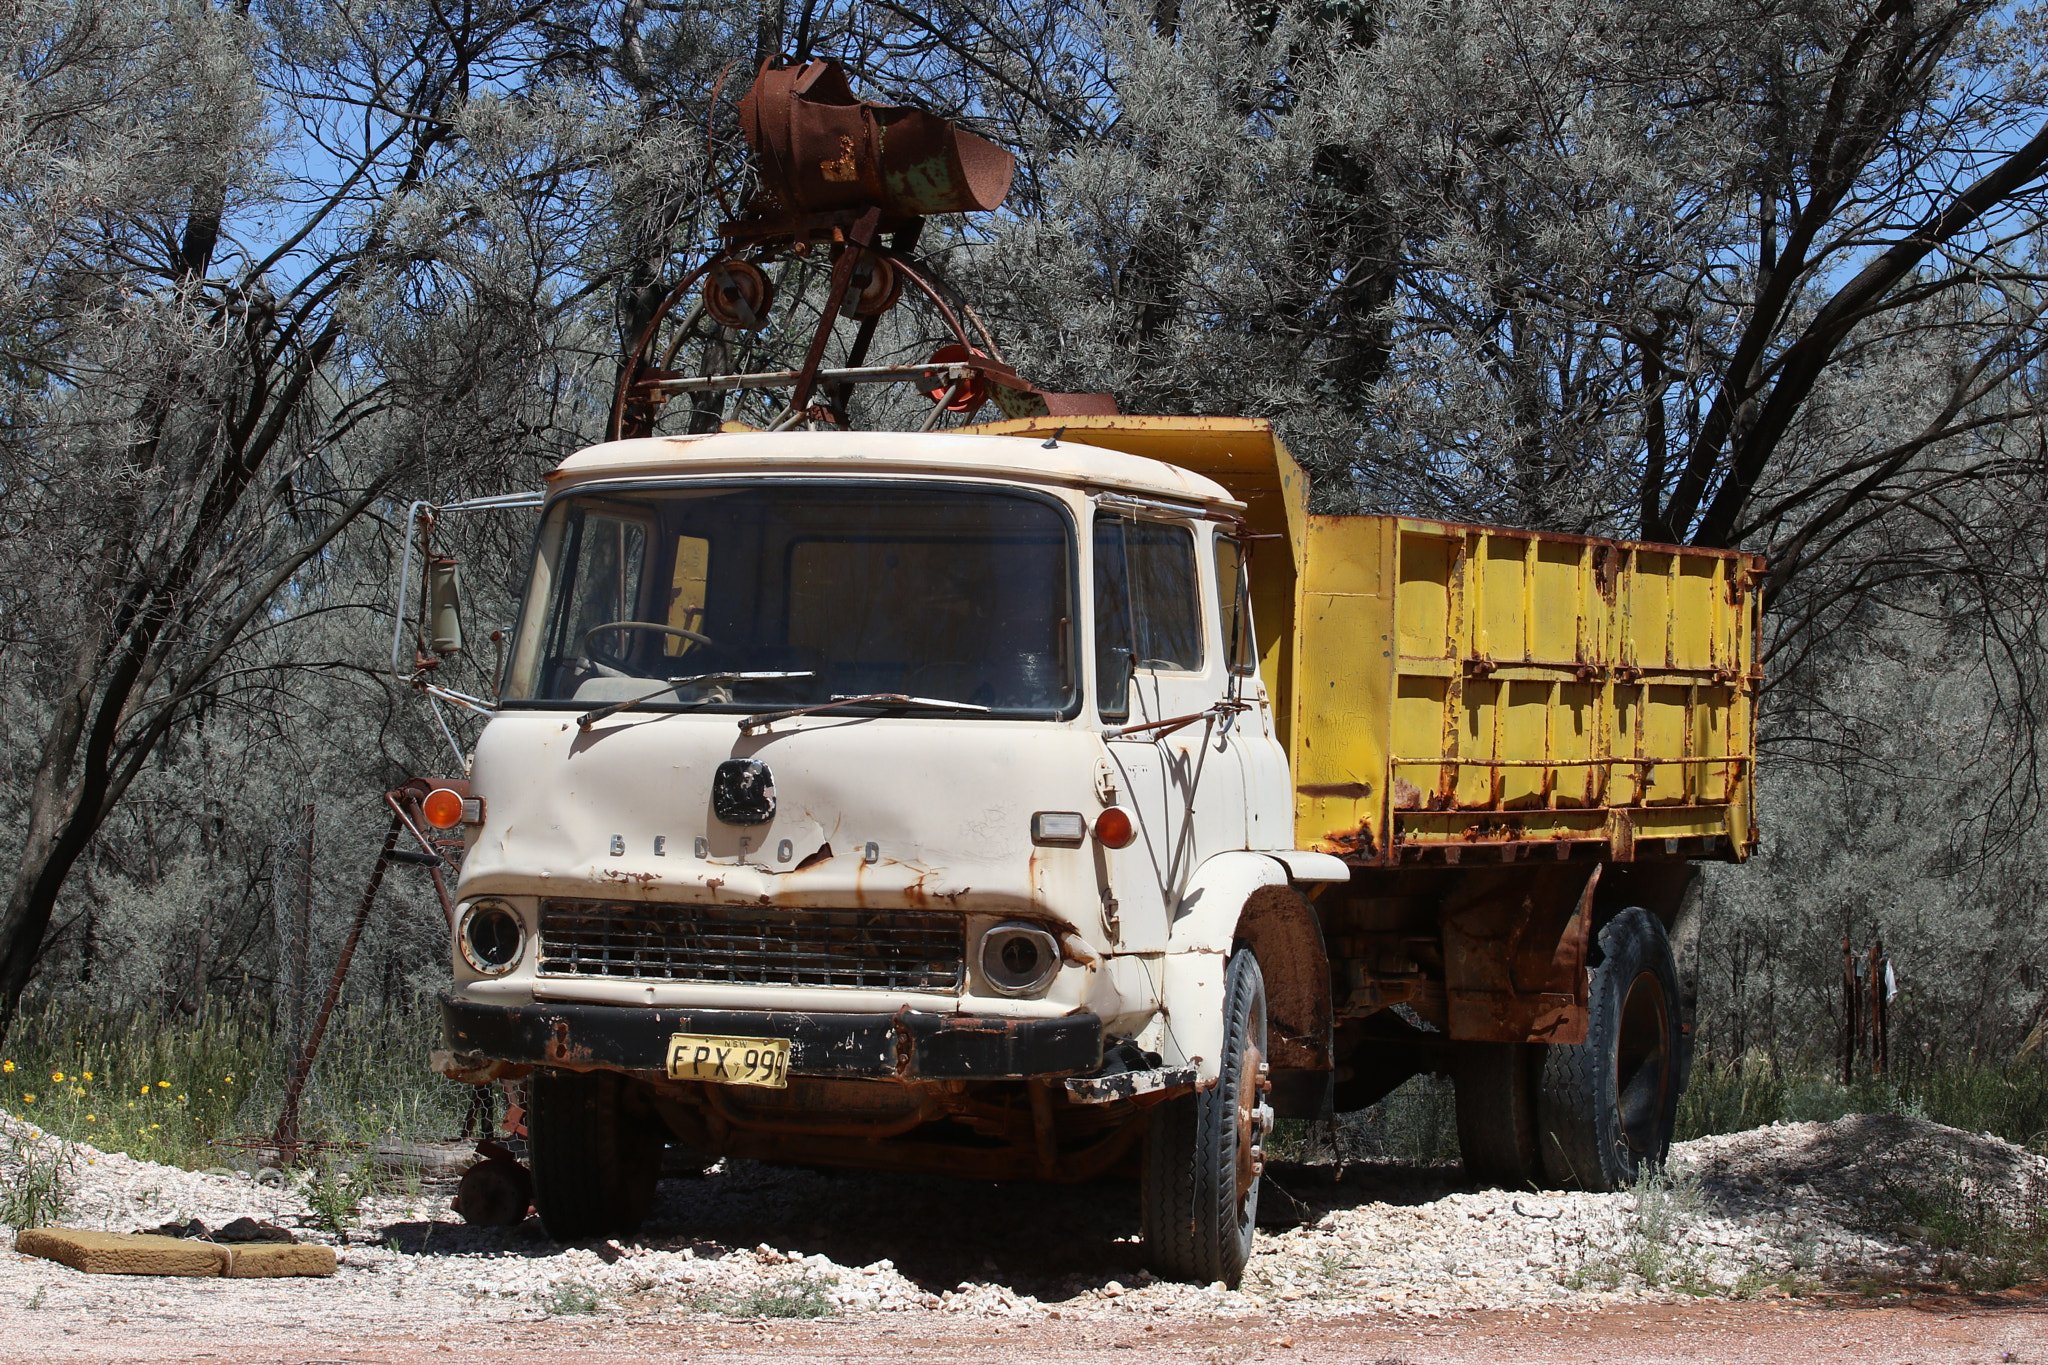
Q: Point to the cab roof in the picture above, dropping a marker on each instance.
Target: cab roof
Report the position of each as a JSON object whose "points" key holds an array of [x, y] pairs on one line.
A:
{"points": [[1073, 463]]}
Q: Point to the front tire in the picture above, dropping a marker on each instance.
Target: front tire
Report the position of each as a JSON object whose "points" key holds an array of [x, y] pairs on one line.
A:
{"points": [[1204, 1152], [595, 1155], [1606, 1107]]}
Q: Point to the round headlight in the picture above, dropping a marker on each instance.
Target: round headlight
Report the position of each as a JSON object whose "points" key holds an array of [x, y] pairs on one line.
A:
{"points": [[1018, 958], [491, 937]]}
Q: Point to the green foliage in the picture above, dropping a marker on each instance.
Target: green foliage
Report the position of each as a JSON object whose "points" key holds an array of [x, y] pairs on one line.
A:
{"points": [[168, 1089], [1416, 1125], [569, 1297], [2011, 1103], [40, 1186], [335, 1192], [804, 1297]]}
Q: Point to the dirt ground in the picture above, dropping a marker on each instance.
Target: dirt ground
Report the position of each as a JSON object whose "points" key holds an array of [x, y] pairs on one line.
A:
{"points": [[1924, 1331]]}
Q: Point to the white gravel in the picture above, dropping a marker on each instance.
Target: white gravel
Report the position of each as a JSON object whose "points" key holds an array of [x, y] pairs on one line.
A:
{"points": [[1747, 1214]]}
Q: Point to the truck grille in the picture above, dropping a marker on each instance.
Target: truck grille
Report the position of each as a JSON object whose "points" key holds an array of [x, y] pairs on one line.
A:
{"points": [[898, 950]]}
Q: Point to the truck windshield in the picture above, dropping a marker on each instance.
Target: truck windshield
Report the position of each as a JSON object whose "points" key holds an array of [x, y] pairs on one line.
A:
{"points": [[940, 592]]}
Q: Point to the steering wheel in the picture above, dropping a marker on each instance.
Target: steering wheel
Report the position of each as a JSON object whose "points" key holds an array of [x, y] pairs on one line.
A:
{"points": [[657, 626]]}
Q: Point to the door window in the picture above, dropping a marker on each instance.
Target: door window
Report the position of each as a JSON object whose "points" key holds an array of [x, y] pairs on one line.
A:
{"points": [[1147, 605]]}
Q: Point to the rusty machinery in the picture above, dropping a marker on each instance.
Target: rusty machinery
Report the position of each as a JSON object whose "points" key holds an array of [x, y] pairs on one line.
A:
{"points": [[844, 184]]}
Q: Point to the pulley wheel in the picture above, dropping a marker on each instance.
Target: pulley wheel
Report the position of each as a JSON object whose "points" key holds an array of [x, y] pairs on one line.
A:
{"points": [[971, 394], [883, 288], [737, 294]]}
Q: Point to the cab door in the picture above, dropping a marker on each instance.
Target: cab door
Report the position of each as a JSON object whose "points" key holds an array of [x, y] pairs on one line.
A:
{"points": [[1156, 661]]}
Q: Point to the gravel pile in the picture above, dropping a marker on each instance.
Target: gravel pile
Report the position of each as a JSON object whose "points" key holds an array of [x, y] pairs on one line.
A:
{"points": [[1743, 1215]]}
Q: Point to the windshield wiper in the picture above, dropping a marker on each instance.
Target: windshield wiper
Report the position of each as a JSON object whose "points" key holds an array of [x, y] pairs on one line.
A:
{"points": [[590, 718], [762, 722]]}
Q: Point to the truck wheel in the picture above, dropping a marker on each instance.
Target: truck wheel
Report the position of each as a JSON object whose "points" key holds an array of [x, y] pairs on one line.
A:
{"points": [[1606, 1106], [595, 1162], [1496, 1086], [1204, 1152]]}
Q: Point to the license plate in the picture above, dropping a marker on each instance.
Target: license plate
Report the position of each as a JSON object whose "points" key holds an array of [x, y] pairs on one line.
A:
{"points": [[728, 1061]]}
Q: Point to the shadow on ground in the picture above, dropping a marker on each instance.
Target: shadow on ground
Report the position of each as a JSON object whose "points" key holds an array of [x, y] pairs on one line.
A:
{"points": [[1050, 1241]]}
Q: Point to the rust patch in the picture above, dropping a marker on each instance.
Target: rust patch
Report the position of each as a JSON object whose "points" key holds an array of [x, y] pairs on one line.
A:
{"points": [[618, 874], [1351, 842], [1352, 791], [1606, 570], [1407, 796], [563, 1052]]}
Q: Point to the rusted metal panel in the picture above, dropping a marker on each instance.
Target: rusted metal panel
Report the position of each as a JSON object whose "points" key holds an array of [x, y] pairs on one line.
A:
{"points": [[1514, 951]]}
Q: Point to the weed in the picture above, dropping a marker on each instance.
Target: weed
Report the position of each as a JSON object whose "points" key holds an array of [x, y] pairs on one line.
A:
{"points": [[1981, 1241], [1651, 1248], [804, 1297], [569, 1297], [35, 1300], [1750, 1283], [335, 1192], [41, 1189]]}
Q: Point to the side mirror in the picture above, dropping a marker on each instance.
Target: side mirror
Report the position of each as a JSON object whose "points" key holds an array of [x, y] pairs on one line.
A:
{"points": [[1113, 680], [444, 605]]}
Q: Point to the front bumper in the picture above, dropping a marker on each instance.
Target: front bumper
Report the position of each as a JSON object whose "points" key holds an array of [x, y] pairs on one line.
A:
{"points": [[906, 1045]]}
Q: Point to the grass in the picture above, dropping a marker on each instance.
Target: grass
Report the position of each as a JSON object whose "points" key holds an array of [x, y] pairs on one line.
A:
{"points": [[172, 1089], [2008, 1102], [1981, 1242]]}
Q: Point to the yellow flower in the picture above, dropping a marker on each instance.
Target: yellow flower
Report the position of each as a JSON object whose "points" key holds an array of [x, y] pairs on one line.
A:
{"points": [[230, 1080], [163, 1085], [6, 1068], [145, 1088], [57, 1076], [78, 1092], [92, 1118], [29, 1098], [88, 1075]]}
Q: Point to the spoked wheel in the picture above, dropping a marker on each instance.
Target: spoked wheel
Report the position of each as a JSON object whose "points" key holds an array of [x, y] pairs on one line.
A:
{"points": [[1606, 1107], [1204, 1153]]}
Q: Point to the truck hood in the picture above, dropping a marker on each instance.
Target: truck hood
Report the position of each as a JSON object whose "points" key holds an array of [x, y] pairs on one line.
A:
{"points": [[880, 812]]}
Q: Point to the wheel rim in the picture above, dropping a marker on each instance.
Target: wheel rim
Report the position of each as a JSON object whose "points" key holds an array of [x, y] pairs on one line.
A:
{"points": [[1249, 1149], [1642, 1064]]}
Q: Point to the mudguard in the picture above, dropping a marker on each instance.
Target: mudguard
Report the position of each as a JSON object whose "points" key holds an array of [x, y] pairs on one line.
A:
{"points": [[1197, 947]]}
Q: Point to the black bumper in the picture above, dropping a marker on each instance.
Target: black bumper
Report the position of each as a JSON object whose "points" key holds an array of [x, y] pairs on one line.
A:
{"points": [[906, 1045]]}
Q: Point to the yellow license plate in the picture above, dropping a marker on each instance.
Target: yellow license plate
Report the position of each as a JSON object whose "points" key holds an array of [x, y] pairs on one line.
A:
{"points": [[728, 1061]]}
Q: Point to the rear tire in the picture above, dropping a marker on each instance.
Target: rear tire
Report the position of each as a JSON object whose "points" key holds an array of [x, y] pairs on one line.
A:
{"points": [[1199, 1193], [1497, 1132], [595, 1156], [1606, 1107]]}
